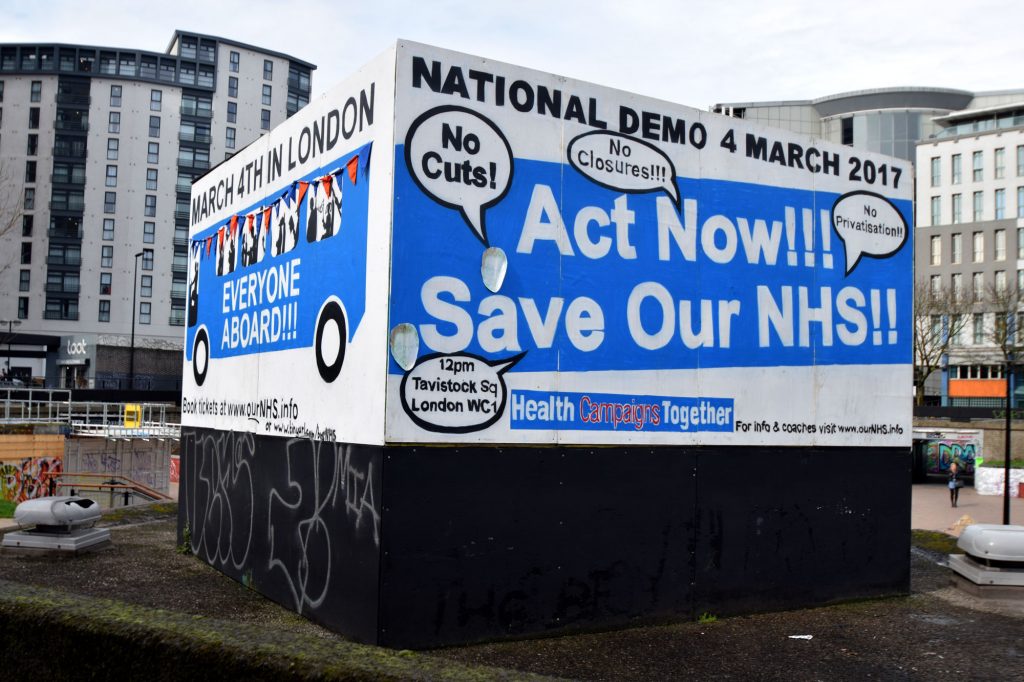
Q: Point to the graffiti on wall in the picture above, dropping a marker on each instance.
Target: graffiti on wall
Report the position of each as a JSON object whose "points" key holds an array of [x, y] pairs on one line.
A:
{"points": [[30, 478], [939, 453], [285, 523]]}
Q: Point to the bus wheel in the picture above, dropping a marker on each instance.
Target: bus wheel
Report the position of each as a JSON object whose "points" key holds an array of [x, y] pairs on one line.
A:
{"points": [[331, 335], [200, 356]]}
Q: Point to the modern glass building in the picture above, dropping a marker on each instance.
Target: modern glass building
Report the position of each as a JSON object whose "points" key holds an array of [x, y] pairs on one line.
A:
{"points": [[98, 150]]}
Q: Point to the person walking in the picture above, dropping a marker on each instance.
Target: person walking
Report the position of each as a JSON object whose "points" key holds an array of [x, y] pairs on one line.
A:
{"points": [[954, 483]]}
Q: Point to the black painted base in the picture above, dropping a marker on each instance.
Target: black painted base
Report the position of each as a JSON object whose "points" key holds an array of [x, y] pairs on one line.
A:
{"points": [[415, 547]]}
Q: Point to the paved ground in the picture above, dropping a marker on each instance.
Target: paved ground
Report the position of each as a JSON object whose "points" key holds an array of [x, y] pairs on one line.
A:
{"points": [[930, 508], [937, 632]]}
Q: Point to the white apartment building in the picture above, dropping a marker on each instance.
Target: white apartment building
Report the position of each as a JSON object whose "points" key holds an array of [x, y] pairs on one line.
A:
{"points": [[970, 237], [98, 149]]}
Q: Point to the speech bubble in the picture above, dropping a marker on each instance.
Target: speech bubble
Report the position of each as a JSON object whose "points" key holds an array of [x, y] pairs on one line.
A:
{"points": [[456, 393], [461, 160], [869, 225], [623, 163]]}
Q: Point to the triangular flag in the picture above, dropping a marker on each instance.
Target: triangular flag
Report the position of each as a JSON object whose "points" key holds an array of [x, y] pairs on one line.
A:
{"points": [[326, 182], [266, 215], [364, 157], [220, 237], [353, 167], [209, 243], [233, 225], [248, 222], [303, 186]]}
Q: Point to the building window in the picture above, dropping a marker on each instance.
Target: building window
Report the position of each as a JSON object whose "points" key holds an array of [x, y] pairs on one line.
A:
{"points": [[978, 247], [935, 283], [26, 253], [154, 126], [957, 209], [111, 176], [147, 259], [1000, 280], [107, 257], [153, 155], [24, 280], [233, 59], [148, 232], [977, 164], [104, 314], [957, 281], [110, 202], [999, 163], [108, 229], [150, 210], [1000, 204], [979, 205], [936, 206], [936, 251], [30, 171], [145, 310], [229, 138], [115, 95], [1020, 280], [936, 173], [114, 122], [232, 86], [156, 99], [232, 112], [954, 170], [268, 70], [1000, 238], [265, 119], [977, 286], [112, 148], [151, 177], [979, 328], [1020, 202], [30, 198], [36, 94], [33, 144], [105, 280], [146, 287], [956, 252], [33, 118], [23, 307], [1020, 160], [267, 94]]}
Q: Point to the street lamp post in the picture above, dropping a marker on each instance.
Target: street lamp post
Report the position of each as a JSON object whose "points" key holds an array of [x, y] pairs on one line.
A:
{"points": [[1009, 437], [10, 337], [131, 357]]}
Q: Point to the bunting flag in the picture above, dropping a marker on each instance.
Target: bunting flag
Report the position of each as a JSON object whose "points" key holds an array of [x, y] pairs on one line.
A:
{"points": [[316, 204]]}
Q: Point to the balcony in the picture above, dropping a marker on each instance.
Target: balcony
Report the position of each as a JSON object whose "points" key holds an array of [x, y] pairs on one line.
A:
{"points": [[177, 319], [179, 267], [63, 233], [65, 179], [72, 126], [178, 290], [77, 100], [192, 110], [195, 137], [181, 215], [77, 206], [63, 288], [59, 315], [70, 152], [180, 241], [183, 187], [66, 259], [296, 84]]}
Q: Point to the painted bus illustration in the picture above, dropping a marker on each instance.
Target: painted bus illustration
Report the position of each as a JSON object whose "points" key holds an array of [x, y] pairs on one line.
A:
{"points": [[245, 273]]}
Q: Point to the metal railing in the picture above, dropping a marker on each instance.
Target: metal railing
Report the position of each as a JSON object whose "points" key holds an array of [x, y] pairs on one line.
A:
{"points": [[88, 419], [36, 405]]}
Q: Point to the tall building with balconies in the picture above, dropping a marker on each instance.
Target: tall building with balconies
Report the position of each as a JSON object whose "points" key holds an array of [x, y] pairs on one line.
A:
{"points": [[98, 150]]}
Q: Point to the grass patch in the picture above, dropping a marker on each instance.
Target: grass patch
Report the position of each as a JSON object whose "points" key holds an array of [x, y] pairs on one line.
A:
{"points": [[999, 463], [707, 618], [7, 509], [934, 541]]}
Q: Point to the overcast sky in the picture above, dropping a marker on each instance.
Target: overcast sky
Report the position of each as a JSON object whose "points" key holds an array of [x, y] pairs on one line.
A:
{"points": [[695, 52]]}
